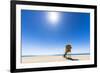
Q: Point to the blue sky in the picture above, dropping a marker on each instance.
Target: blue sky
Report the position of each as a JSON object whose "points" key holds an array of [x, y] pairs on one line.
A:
{"points": [[43, 36]]}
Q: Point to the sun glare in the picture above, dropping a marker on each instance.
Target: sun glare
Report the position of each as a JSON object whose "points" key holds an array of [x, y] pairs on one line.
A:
{"points": [[53, 18]]}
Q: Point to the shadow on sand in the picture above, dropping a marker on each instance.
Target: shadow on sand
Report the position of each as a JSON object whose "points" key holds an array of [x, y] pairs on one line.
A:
{"points": [[71, 59]]}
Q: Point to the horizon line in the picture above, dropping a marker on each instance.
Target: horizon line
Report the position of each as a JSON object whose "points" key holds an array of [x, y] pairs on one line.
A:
{"points": [[57, 54]]}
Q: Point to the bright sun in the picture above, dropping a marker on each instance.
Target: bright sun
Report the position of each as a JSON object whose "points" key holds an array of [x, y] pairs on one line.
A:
{"points": [[53, 18]]}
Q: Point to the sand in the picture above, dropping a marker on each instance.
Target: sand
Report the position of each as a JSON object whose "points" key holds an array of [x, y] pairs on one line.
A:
{"points": [[46, 58]]}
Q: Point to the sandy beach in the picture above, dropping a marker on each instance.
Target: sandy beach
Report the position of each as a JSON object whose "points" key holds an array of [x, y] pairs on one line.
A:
{"points": [[46, 58]]}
